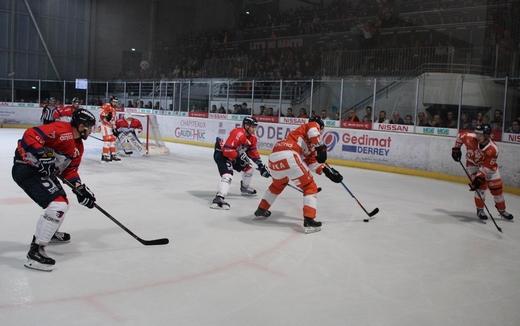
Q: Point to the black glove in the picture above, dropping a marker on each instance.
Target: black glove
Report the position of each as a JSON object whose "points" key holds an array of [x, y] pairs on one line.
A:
{"points": [[115, 132], [264, 172], [321, 154], [243, 159], [46, 162], [85, 196], [478, 181], [332, 174], [108, 117], [456, 154]]}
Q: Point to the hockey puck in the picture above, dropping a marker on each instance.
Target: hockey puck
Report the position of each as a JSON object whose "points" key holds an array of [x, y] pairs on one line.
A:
{"points": [[365, 220]]}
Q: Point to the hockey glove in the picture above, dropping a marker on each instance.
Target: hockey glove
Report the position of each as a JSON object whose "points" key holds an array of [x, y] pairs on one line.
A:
{"points": [[321, 154], [243, 159], [46, 163], [264, 172], [478, 181], [332, 174], [456, 154], [85, 196], [116, 132], [108, 117]]}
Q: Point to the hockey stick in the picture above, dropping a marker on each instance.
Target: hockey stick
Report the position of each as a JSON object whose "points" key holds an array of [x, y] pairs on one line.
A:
{"points": [[478, 193], [372, 213], [154, 242], [298, 189], [96, 137]]}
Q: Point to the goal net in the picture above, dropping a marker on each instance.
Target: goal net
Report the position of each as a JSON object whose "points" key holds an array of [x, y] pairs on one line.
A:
{"points": [[151, 136]]}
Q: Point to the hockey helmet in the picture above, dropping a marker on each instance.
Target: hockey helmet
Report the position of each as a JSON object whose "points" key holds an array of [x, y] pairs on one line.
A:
{"points": [[75, 100], [114, 100], [249, 121], [84, 117], [483, 129], [317, 119]]}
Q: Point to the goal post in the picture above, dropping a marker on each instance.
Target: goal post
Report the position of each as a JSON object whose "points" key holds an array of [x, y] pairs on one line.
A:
{"points": [[151, 135]]}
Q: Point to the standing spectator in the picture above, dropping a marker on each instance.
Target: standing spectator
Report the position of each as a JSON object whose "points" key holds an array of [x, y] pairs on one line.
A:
{"points": [[368, 114], [515, 127], [289, 113], [324, 115], [269, 112], [130, 104], [497, 120], [48, 111], [351, 116], [437, 121], [451, 122], [221, 109], [465, 124], [396, 119], [213, 108], [422, 120], [382, 117], [303, 113]]}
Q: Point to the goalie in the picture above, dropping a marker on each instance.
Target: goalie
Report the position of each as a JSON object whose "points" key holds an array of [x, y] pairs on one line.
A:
{"points": [[127, 131]]}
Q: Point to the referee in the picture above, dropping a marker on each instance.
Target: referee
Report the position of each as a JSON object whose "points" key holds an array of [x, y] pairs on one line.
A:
{"points": [[48, 111]]}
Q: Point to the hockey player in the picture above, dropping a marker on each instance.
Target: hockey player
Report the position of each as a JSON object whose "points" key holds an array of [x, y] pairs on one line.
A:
{"points": [[235, 154], [107, 119], [48, 111], [127, 129], [64, 113], [481, 163], [43, 154], [293, 159]]}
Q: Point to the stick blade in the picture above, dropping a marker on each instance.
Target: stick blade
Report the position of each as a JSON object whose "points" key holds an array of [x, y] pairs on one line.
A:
{"points": [[374, 212], [156, 242]]}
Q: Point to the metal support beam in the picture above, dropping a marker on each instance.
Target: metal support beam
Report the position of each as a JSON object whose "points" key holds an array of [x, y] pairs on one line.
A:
{"points": [[58, 76]]}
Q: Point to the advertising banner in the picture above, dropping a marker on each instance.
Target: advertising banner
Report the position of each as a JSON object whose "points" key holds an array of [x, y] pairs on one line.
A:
{"points": [[414, 151]]}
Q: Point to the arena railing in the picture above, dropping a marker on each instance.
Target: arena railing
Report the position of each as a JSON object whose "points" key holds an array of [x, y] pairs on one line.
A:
{"points": [[432, 103]]}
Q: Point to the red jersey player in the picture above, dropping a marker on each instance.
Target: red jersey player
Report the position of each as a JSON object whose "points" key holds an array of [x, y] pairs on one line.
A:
{"points": [[108, 118], [43, 154], [126, 131], [64, 113], [481, 163], [235, 154], [292, 160]]}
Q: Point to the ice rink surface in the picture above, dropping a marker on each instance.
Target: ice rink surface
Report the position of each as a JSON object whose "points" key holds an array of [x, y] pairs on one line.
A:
{"points": [[424, 260]]}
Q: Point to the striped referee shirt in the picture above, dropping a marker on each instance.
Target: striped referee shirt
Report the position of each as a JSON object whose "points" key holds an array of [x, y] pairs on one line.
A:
{"points": [[47, 115]]}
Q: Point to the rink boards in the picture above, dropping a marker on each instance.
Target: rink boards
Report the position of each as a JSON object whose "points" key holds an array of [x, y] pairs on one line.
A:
{"points": [[414, 154]]}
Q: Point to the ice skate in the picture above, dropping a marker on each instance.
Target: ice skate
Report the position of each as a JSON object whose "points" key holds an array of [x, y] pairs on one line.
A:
{"points": [[219, 203], [60, 237], [481, 214], [246, 191], [506, 215], [114, 157], [38, 259], [310, 225], [262, 214], [105, 158]]}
